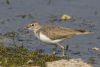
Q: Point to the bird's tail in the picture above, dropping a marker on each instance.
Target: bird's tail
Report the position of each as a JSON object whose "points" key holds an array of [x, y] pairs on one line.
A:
{"points": [[82, 32]]}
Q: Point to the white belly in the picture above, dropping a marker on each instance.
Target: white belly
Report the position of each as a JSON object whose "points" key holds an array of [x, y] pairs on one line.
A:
{"points": [[48, 40]]}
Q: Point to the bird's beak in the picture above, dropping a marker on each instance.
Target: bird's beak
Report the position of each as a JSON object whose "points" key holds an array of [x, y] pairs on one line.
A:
{"points": [[26, 27]]}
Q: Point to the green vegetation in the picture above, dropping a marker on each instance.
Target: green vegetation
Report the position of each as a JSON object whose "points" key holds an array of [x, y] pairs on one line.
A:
{"points": [[20, 56]]}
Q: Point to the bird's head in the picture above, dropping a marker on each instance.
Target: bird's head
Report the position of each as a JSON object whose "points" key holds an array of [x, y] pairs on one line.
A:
{"points": [[35, 25]]}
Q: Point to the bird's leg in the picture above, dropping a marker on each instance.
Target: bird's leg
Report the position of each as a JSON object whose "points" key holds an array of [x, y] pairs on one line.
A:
{"points": [[67, 47], [67, 53], [54, 49], [62, 47]]}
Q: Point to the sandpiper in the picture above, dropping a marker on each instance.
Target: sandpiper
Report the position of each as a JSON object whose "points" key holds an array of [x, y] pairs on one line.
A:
{"points": [[53, 34]]}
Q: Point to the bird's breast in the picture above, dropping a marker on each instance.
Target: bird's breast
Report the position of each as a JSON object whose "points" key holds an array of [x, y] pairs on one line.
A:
{"points": [[46, 39]]}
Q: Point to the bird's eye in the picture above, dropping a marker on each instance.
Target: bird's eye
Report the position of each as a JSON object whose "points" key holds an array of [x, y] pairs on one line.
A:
{"points": [[32, 24]]}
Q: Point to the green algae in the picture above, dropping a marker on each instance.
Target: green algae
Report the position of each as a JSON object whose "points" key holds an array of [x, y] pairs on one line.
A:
{"points": [[20, 56]]}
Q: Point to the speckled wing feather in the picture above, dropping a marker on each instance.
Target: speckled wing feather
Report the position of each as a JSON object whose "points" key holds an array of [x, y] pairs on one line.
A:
{"points": [[54, 32]]}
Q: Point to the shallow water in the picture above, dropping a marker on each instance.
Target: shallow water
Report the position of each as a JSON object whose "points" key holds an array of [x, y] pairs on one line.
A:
{"points": [[15, 14]]}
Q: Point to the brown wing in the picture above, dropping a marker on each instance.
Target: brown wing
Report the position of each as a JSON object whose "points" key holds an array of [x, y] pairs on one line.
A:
{"points": [[57, 32]]}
